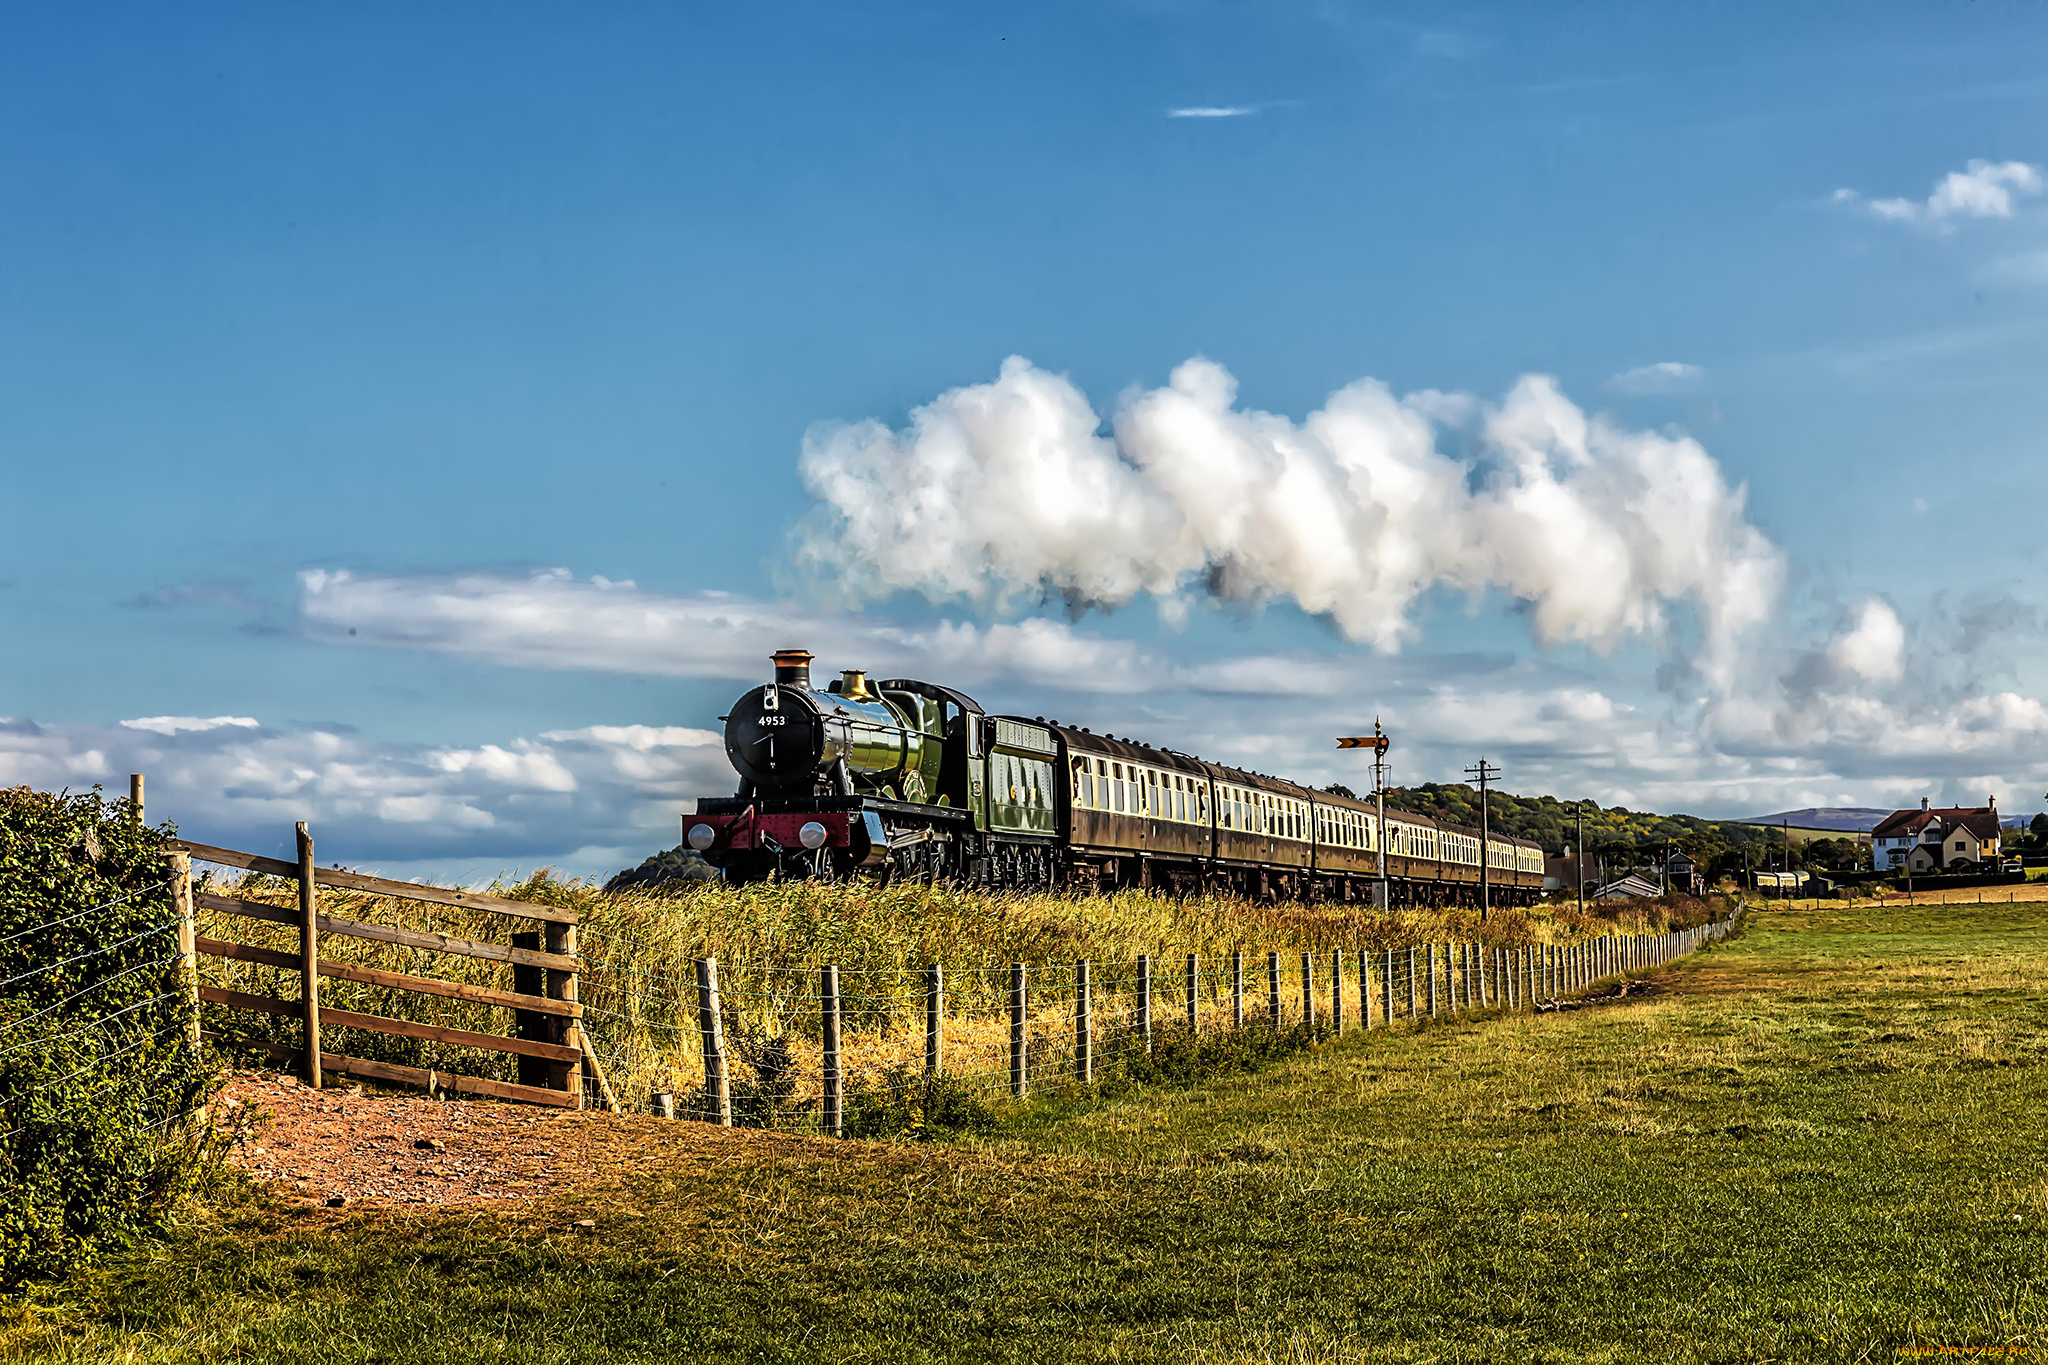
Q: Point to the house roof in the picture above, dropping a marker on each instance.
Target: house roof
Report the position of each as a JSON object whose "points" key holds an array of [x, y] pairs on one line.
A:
{"points": [[1629, 887], [1981, 821]]}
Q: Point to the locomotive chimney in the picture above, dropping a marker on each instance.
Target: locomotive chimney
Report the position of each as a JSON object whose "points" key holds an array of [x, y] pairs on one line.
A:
{"points": [[793, 668]]}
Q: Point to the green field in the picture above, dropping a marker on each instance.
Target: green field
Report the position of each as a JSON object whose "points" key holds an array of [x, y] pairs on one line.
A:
{"points": [[1820, 1141]]}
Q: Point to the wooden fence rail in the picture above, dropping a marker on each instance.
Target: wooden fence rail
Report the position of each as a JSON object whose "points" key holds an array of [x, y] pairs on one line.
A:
{"points": [[547, 1017]]}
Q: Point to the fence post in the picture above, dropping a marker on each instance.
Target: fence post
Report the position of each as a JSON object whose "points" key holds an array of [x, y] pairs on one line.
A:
{"points": [[1237, 989], [532, 1025], [561, 938], [188, 951], [1364, 988], [1337, 992], [1414, 986], [1308, 989], [1084, 1056], [1145, 1000], [1019, 1063], [1194, 984], [1273, 988], [711, 1026], [662, 1104], [1432, 982], [1387, 987], [309, 956], [834, 1063], [934, 1017]]}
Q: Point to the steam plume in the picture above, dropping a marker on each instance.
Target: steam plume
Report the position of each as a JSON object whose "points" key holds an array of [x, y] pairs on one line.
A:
{"points": [[1005, 492]]}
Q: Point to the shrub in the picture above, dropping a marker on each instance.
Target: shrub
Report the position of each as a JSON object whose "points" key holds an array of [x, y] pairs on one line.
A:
{"points": [[96, 1078]]}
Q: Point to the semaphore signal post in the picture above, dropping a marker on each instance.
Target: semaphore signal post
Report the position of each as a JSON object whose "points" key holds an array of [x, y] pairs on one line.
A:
{"points": [[1377, 741]]}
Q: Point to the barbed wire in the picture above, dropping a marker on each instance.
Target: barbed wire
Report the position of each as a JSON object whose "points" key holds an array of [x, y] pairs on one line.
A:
{"points": [[87, 990], [86, 957], [103, 1020], [57, 923]]}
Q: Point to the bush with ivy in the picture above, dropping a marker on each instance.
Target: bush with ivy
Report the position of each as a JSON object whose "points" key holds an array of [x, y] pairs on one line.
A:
{"points": [[98, 1084]]}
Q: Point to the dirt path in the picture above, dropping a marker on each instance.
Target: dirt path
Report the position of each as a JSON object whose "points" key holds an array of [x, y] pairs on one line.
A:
{"points": [[347, 1144]]}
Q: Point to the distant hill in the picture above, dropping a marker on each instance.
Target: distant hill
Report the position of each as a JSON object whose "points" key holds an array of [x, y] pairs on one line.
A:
{"points": [[1550, 822], [1848, 819]]}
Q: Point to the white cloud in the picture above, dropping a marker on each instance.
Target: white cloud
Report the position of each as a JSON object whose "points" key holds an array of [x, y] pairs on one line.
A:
{"points": [[1875, 648], [550, 619], [1004, 494], [1214, 111], [1666, 376], [171, 725], [609, 794], [1983, 189]]}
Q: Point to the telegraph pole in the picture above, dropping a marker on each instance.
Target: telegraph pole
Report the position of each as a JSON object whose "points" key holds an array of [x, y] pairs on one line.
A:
{"points": [[1377, 742], [1579, 821], [1484, 771]]}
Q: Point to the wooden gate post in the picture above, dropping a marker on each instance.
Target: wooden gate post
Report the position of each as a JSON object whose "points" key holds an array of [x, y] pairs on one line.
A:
{"points": [[532, 1025], [834, 1067], [711, 1026], [188, 938], [309, 956], [1019, 1062], [568, 1078], [934, 1018]]}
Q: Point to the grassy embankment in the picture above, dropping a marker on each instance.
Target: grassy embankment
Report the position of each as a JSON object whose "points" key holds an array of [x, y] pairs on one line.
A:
{"points": [[1817, 1142], [770, 941]]}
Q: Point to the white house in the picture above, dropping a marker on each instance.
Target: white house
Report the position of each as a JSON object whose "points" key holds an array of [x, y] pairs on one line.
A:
{"points": [[1932, 839]]}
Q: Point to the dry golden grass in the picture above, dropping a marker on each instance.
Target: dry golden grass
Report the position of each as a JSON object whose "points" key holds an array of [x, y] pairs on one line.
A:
{"points": [[639, 949]]}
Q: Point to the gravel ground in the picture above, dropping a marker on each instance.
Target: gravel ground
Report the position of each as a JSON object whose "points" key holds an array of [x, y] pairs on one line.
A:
{"points": [[345, 1143]]}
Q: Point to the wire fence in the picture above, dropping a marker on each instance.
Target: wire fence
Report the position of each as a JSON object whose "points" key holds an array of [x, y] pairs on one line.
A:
{"points": [[85, 1018], [845, 1050]]}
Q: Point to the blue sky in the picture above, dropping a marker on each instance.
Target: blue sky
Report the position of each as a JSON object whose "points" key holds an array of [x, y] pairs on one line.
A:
{"points": [[417, 324]]}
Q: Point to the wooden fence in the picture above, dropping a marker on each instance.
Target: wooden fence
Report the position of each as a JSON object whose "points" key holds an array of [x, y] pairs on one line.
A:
{"points": [[556, 1064]]}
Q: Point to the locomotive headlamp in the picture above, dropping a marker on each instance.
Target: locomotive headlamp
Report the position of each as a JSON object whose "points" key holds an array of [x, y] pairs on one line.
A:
{"points": [[702, 837], [812, 835]]}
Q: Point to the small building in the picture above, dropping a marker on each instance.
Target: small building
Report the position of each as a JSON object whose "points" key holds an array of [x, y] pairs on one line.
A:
{"points": [[1630, 887], [1936, 838], [1682, 874]]}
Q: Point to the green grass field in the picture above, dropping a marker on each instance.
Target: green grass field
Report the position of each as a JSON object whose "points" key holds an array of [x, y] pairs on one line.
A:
{"points": [[1818, 1142]]}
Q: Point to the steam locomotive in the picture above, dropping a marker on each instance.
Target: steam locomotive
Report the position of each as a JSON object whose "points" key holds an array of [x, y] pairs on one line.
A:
{"points": [[909, 779]]}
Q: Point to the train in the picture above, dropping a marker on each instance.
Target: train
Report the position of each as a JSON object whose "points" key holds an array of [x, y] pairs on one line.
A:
{"points": [[905, 779]]}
